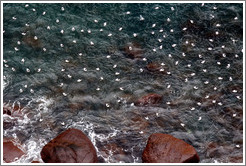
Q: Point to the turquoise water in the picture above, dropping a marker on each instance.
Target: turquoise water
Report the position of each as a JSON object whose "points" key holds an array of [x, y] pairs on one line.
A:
{"points": [[67, 66]]}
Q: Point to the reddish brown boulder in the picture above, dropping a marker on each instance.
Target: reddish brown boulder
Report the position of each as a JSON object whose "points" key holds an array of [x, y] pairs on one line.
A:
{"points": [[164, 148], [71, 146], [150, 99], [11, 151]]}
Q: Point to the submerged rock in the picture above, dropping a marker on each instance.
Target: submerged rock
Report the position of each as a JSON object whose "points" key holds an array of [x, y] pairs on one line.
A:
{"points": [[12, 114], [32, 41], [71, 146], [164, 148], [156, 68], [76, 106], [15, 111], [224, 152], [113, 152], [139, 122], [10, 151], [150, 99], [133, 50], [8, 124], [7, 111]]}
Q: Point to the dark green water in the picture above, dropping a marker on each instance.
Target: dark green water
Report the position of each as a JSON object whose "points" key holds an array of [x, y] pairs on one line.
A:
{"points": [[50, 69]]}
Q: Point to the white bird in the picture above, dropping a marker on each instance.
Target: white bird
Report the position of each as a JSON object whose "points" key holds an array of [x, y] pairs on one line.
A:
{"points": [[141, 18]]}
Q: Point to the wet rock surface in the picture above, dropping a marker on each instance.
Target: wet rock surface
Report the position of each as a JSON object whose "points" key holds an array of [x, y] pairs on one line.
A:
{"points": [[11, 151], [71, 146], [6, 111], [164, 148], [15, 110]]}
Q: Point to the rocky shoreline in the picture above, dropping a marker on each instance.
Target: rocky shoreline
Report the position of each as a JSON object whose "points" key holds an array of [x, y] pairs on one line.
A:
{"points": [[73, 146]]}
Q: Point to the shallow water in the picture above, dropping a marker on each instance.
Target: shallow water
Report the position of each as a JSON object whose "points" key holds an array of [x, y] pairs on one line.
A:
{"points": [[50, 63]]}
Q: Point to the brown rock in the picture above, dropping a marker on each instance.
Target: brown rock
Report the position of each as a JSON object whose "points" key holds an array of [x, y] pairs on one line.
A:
{"points": [[16, 110], [11, 151], [71, 146], [17, 107], [7, 111], [164, 148], [35, 162], [156, 67], [150, 99], [11, 111]]}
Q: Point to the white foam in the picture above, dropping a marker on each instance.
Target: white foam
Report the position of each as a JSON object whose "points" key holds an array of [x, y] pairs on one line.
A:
{"points": [[5, 82], [32, 148], [44, 103], [89, 128]]}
